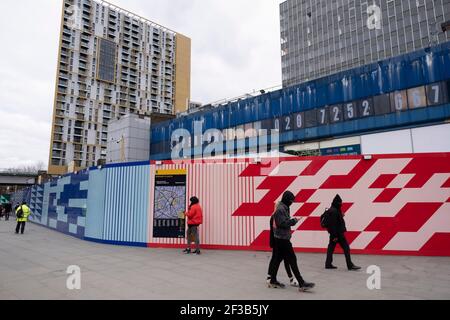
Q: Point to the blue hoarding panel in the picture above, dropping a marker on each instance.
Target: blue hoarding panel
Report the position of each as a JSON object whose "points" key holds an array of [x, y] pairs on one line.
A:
{"points": [[126, 204]]}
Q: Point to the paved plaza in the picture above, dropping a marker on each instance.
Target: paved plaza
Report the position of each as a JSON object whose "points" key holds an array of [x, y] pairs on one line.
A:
{"points": [[34, 265]]}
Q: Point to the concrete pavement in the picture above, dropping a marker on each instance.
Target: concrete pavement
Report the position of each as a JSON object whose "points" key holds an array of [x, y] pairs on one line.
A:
{"points": [[33, 266]]}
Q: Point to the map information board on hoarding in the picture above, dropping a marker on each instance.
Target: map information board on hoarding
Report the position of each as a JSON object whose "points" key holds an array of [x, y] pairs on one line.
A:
{"points": [[170, 204]]}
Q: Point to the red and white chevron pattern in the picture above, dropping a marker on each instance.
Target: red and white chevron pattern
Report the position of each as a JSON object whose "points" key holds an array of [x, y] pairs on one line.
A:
{"points": [[393, 204]]}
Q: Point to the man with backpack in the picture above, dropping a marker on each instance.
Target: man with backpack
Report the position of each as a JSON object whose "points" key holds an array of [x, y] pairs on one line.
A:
{"points": [[282, 223], [333, 221], [22, 214]]}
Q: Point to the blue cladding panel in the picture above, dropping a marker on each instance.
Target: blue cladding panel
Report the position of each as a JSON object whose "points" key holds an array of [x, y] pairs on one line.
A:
{"points": [[398, 73], [126, 204], [60, 204]]}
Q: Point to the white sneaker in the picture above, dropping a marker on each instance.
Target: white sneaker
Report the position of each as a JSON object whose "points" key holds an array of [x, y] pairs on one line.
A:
{"points": [[294, 282]]}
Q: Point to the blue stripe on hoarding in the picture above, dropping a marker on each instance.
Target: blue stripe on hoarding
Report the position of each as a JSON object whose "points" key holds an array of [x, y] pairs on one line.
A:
{"points": [[121, 165], [118, 243]]}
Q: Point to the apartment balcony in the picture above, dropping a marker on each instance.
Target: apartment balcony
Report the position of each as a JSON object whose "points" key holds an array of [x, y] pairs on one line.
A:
{"points": [[78, 148], [83, 72], [77, 156], [63, 75], [83, 95], [64, 53], [57, 146], [61, 98], [85, 38], [59, 122], [80, 117], [77, 140], [108, 93], [62, 90], [64, 67], [82, 87], [56, 154], [85, 46], [87, 31], [79, 110], [67, 38], [63, 83], [58, 130], [60, 113]]}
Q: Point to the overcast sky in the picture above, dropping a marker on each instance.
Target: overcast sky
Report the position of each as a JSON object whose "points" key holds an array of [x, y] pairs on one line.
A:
{"points": [[235, 50]]}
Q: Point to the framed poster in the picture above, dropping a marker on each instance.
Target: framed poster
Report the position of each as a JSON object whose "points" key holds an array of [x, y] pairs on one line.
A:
{"points": [[169, 204]]}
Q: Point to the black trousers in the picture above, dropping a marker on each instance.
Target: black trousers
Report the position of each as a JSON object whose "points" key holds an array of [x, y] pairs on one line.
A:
{"points": [[283, 250], [276, 253], [20, 226], [6, 216], [344, 245]]}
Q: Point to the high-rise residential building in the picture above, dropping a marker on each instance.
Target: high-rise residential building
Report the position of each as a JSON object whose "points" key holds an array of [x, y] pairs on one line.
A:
{"points": [[111, 63], [322, 37]]}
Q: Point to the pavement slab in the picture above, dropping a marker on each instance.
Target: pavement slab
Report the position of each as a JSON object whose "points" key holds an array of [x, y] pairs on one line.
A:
{"points": [[33, 266]]}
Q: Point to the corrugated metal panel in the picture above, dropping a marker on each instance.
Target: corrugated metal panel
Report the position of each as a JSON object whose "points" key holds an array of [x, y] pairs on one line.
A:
{"points": [[126, 204], [220, 192], [238, 200], [96, 204], [406, 71]]}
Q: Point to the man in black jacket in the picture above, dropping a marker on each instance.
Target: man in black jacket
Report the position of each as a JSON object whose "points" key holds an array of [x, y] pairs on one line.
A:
{"points": [[275, 256], [282, 223], [337, 229]]}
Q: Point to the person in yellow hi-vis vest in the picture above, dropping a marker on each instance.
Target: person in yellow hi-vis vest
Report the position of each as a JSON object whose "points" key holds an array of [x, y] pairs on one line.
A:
{"points": [[22, 213]]}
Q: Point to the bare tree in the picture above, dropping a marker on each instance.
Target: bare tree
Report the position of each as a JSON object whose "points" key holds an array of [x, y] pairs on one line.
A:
{"points": [[30, 169]]}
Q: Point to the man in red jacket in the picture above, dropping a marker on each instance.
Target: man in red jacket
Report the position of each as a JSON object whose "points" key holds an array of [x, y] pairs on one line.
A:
{"points": [[195, 219]]}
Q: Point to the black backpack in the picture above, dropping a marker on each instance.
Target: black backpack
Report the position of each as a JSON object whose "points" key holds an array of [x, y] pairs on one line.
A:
{"points": [[325, 219], [19, 213]]}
